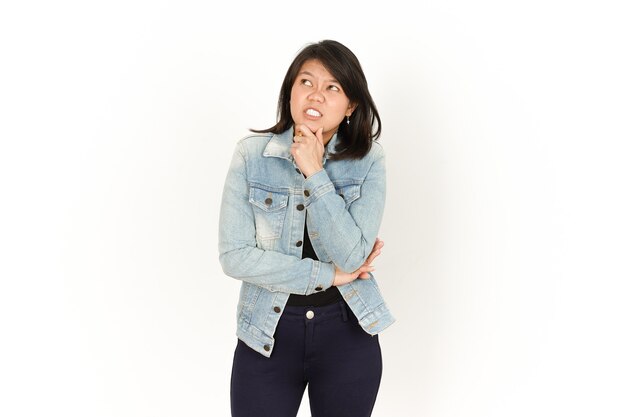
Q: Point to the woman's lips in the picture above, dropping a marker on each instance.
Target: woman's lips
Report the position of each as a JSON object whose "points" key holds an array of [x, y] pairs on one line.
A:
{"points": [[312, 113]]}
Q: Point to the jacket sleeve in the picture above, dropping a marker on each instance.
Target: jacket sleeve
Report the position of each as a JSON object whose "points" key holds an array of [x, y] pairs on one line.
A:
{"points": [[347, 235], [239, 256]]}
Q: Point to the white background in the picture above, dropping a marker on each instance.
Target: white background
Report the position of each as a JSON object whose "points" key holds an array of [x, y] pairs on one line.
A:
{"points": [[504, 224]]}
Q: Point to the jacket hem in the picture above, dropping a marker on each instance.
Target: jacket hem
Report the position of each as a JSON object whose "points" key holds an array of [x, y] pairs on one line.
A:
{"points": [[256, 342]]}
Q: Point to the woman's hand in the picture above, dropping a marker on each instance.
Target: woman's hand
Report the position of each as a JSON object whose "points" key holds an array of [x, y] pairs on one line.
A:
{"points": [[342, 277], [308, 149]]}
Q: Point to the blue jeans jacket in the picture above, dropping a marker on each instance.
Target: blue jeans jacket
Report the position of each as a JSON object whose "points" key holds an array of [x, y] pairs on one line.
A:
{"points": [[262, 225]]}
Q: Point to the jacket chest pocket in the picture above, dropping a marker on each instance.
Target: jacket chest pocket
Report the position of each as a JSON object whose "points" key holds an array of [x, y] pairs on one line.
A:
{"points": [[270, 209], [349, 192]]}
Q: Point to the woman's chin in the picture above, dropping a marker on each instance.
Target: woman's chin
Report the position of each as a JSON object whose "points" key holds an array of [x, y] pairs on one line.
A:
{"points": [[311, 124]]}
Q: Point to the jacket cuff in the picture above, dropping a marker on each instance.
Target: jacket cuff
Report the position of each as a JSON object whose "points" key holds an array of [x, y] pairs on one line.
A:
{"points": [[322, 277], [316, 186]]}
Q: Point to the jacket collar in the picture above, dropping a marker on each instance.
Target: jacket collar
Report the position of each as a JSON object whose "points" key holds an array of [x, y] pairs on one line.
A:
{"points": [[279, 146]]}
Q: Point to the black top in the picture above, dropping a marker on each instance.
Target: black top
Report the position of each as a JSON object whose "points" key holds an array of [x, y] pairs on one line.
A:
{"points": [[329, 296]]}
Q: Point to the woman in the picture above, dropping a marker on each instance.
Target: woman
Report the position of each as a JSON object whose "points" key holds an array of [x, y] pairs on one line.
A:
{"points": [[301, 209]]}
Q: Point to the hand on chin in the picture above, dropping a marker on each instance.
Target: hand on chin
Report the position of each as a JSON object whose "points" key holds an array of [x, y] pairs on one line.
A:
{"points": [[311, 126]]}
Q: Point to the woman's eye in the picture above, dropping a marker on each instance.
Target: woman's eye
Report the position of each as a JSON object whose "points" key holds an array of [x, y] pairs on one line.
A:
{"points": [[307, 83], [333, 87]]}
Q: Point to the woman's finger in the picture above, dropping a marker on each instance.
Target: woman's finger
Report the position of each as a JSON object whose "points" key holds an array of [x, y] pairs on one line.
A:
{"points": [[319, 135], [305, 131], [376, 250], [372, 256]]}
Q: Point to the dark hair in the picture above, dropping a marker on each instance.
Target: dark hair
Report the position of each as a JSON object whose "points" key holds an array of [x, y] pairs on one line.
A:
{"points": [[354, 140]]}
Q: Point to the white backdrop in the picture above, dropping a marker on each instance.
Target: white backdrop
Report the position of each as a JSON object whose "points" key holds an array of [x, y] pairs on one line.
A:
{"points": [[504, 225]]}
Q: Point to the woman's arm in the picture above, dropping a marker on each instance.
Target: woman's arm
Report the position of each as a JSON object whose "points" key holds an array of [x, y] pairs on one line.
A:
{"points": [[238, 254], [347, 235]]}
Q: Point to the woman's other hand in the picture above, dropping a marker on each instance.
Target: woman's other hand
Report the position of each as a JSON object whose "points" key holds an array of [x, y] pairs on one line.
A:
{"points": [[363, 271], [308, 150]]}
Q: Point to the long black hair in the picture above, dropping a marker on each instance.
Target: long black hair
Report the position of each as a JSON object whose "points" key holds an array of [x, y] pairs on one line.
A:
{"points": [[354, 140]]}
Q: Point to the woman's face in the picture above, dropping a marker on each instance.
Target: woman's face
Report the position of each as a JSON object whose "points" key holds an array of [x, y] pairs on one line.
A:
{"points": [[318, 100]]}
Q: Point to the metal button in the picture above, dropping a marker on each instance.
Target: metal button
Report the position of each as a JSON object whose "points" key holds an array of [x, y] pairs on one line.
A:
{"points": [[318, 288], [306, 193], [277, 309], [266, 348], [300, 207], [268, 201], [299, 243], [310, 314]]}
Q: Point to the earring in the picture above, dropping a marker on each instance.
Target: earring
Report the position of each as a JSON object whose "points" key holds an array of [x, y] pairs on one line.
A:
{"points": [[348, 121]]}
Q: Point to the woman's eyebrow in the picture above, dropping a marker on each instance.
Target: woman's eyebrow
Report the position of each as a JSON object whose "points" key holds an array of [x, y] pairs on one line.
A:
{"points": [[330, 80]]}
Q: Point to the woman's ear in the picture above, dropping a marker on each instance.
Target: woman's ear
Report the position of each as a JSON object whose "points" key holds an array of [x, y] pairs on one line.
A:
{"points": [[351, 108]]}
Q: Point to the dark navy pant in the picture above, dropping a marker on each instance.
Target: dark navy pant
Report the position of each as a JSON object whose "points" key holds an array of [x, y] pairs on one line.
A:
{"points": [[324, 347]]}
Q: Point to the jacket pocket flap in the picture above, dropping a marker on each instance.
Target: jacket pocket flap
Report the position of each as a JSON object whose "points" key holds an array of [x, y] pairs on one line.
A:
{"points": [[268, 200]]}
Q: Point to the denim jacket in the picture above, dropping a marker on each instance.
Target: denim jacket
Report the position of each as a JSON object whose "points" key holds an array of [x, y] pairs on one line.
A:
{"points": [[261, 228]]}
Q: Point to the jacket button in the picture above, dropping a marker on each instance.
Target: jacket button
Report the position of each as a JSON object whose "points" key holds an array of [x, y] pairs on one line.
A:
{"points": [[310, 314], [266, 348], [300, 207], [306, 193], [299, 243], [277, 309], [318, 288], [268, 201]]}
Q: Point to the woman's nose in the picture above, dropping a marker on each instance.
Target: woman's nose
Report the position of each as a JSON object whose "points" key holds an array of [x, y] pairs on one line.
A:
{"points": [[316, 96]]}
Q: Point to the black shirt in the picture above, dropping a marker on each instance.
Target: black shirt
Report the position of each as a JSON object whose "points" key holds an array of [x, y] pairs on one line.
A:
{"points": [[319, 298]]}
